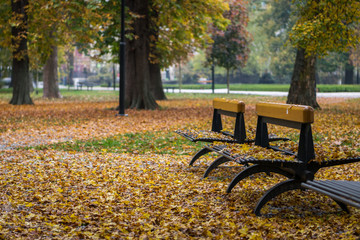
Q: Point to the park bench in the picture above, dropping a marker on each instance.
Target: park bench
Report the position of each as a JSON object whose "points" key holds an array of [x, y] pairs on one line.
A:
{"points": [[88, 85], [221, 107], [168, 88], [298, 166]]}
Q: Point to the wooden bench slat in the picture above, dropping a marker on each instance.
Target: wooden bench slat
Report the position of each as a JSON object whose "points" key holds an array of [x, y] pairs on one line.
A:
{"points": [[229, 105], [290, 112]]}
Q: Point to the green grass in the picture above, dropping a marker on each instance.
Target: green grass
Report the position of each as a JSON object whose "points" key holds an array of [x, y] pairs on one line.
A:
{"points": [[247, 98], [104, 95], [271, 87], [79, 95], [137, 143], [237, 87], [338, 88]]}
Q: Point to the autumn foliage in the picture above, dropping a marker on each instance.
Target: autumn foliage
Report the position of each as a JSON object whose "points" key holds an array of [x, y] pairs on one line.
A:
{"points": [[51, 189]]}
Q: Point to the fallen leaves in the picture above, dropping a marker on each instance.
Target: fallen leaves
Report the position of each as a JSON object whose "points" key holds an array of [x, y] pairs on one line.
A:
{"points": [[103, 194]]}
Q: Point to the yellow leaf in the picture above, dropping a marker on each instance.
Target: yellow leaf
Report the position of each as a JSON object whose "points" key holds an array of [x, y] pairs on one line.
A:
{"points": [[29, 204]]}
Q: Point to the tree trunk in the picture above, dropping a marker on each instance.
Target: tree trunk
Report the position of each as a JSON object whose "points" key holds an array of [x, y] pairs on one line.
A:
{"points": [[180, 78], [51, 85], [303, 84], [349, 70], [70, 56], [138, 93], [20, 63], [154, 65], [228, 80], [155, 81]]}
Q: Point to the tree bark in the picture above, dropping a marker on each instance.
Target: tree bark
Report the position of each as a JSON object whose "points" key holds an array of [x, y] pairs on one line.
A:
{"points": [[303, 82], [20, 63], [180, 77], [138, 93], [154, 65], [349, 70], [51, 85], [155, 81], [70, 56], [228, 80]]}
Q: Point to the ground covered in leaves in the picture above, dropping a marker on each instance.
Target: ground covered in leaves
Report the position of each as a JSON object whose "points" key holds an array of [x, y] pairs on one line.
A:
{"points": [[71, 169]]}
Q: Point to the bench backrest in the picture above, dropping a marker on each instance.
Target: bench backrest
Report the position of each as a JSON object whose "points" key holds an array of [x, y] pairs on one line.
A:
{"points": [[289, 112], [234, 106], [231, 108], [294, 116]]}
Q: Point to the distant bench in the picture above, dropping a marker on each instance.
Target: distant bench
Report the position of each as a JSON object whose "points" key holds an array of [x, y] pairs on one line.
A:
{"points": [[302, 169], [168, 88], [88, 85]]}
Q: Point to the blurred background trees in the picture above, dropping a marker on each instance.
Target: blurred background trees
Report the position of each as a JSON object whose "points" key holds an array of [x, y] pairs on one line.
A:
{"points": [[197, 34]]}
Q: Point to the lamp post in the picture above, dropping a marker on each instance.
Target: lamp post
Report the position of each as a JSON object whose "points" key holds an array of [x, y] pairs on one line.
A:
{"points": [[122, 63]]}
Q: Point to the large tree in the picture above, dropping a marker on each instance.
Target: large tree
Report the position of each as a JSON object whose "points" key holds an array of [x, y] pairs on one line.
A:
{"points": [[20, 58], [174, 29], [303, 83], [50, 76], [65, 23], [138, 94], [323, 26]]}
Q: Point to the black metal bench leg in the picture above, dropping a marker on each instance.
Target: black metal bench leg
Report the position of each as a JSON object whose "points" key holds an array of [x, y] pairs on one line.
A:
{"points": [[198, 155], [215, 164], [257, 168], [278, 189], [343, 206]]}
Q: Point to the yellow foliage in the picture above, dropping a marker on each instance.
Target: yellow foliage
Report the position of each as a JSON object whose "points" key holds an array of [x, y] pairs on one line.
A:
{"points": [[53, 194]]}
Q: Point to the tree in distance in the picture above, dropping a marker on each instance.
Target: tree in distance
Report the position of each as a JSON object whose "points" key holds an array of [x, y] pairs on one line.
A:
{"points": [[230, 48]]}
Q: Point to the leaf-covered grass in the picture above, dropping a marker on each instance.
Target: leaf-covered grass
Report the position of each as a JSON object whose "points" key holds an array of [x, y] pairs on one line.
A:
{"points": [[72, 169], [134, 143]]}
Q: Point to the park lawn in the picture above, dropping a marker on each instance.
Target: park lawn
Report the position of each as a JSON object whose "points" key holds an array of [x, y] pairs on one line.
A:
{"points": [[71, 169], [269, 87]]}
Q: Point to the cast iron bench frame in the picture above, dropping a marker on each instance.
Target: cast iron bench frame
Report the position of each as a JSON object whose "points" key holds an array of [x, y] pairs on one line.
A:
{"points": [[300, 172]]}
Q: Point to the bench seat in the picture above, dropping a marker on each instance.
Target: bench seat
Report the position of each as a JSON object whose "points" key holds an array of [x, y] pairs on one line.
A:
{"points": [[206, 135], [347, 192]]}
